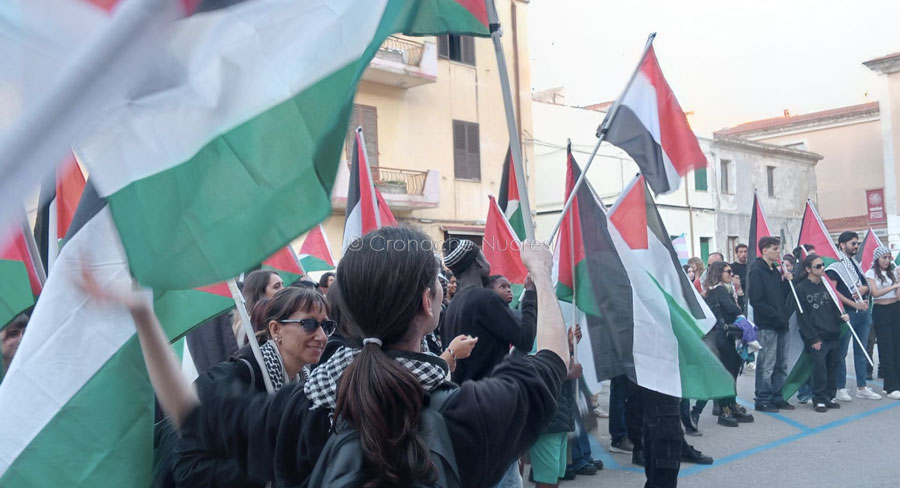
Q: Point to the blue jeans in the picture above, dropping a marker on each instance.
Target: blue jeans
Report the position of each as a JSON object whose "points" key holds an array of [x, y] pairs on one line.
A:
{"points": [[581, 447], [617, 390], [861, 320], [805, 391], [771, 366]]}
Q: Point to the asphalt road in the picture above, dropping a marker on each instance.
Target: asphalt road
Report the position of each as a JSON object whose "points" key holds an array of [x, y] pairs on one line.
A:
{"points": [[855, 446]]}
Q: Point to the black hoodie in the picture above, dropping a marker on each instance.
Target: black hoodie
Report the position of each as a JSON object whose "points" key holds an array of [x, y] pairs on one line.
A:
{"points": [[769, 295], [821, 318]]}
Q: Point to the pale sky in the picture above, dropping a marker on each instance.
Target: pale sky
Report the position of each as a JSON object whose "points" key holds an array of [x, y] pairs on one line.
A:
{"points": [[728, 61]]}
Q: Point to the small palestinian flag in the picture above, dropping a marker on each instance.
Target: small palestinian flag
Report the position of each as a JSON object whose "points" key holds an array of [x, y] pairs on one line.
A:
{"points": [[315, 253], [865, 255], [509, 197], [502, 248], [759, 226], [813, 232], [286, 263], [20, 284], [366, 208]]}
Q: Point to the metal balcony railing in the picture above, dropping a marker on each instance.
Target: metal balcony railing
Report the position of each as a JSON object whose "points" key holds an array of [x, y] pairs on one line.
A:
{"points": [[402, 181], [403, 50]]}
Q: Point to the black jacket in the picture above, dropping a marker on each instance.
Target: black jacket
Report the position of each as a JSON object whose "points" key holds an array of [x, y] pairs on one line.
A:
{"points": [[481, 313], [769, 295], [722, 305], [195, 465], [491, 423], [821, 318]]}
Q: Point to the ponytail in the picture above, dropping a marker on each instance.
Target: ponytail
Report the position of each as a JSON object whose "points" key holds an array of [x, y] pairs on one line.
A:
{"points": [[383, 401]]}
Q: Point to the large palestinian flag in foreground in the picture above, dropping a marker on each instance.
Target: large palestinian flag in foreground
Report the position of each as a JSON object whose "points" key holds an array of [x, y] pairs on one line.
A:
{"points": [[315, 253], [635, 325], [19, 280], [759, 226], [77, 403], [187, 181], [509, 196], [651, 127], [637, 219], [501, 248]]}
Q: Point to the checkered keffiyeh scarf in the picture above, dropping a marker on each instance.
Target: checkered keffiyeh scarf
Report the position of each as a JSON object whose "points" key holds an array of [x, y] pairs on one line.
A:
{"points": [[275, 366], [848, 270], [321, 387]]}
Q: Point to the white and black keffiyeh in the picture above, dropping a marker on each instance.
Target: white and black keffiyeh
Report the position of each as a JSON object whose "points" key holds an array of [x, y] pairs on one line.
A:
{"points": [[321, 387], [275, 366], [848, 270]]}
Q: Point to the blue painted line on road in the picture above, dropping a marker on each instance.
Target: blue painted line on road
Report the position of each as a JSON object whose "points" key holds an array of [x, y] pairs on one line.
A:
{"points": [[793, 423], [786, 440]]}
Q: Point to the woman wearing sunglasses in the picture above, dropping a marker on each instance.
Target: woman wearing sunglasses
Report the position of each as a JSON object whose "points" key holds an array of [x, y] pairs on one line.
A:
{"points": [[298, 327], [820, 328]]}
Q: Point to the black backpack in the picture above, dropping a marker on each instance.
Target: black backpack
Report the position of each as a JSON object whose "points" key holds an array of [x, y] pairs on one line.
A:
{"points": [[341, 462]]}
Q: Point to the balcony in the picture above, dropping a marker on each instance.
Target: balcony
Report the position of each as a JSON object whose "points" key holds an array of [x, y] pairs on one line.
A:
{"points": [[402, 189], [403, 63]]}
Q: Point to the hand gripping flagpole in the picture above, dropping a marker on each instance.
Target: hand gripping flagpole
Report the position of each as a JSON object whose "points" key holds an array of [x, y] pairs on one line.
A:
{"points": [[238, 298], [601, 136], [514, 142]]}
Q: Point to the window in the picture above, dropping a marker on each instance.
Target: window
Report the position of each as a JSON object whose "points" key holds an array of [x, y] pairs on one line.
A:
{"points": [[476, 238], [704, 249], [770, 180], [700, 179], [725, 171], [466, 151], [732, 243], [366, 117], [457, 48]]}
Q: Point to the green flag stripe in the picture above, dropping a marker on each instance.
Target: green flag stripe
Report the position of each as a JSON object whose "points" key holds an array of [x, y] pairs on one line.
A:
{"points": [[114, 409], [517, 222], [15, 290], [312, 263], [182, 310]]}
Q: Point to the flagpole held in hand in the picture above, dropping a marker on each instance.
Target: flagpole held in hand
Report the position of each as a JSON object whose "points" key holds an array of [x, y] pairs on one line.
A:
{"points": [[248, 328], [601, 135]]}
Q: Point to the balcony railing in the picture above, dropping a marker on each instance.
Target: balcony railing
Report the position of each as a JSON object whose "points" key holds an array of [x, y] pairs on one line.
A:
{"points": [[398, 49], [399, 181]]}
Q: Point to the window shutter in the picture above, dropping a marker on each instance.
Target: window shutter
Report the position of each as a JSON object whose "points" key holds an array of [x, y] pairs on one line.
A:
{"points": [[460, 155], [444, 46], [467, 50], [369, 116], [473, 151], [351, 128]]}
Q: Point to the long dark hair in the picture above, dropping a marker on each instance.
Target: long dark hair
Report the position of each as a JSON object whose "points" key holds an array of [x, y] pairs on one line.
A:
{"points": [[255, 286], [807, 263], [382, 280], [714, 274], [880, 273]]}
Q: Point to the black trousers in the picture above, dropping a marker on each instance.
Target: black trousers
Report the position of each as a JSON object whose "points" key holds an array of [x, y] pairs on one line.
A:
{"points": [[887, 329], [825, 362], [659, 435]]}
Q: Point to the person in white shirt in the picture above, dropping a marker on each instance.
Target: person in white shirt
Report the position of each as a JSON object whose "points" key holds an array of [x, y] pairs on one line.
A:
{"points": [[884, 283]]}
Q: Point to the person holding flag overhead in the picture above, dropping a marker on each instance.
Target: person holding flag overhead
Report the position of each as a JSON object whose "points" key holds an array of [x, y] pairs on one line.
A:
{"points": [[853, 293], [820, 326], [884, 283]]}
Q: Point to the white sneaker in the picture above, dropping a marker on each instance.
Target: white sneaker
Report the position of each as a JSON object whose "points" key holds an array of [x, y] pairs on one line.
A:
{"points": [[894, 395], [751, 366], [844, 396], [867, 393]]}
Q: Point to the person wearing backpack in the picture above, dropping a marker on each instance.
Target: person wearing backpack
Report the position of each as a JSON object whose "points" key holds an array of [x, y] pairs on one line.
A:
{"points": [[385, 391]]}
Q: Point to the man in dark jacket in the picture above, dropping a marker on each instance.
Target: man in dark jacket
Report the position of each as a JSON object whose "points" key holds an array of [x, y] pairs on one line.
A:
{"points": [[769, 291], [739, 267]]}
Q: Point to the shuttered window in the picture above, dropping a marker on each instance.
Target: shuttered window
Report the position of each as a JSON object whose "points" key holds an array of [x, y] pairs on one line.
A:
{"points": [[466, 151], [457, 48], [366, 117]]}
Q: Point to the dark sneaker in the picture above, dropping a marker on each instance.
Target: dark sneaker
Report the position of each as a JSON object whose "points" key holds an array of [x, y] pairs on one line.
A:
{"points": [[783, 405], [597, 464], [765, 407], [569, 476], [716, 411], [727, 419], [821, 408], [622, 447], [833, 404], [637, 457], [740, 414], [587, 470], [692, 432], [691, 455]]}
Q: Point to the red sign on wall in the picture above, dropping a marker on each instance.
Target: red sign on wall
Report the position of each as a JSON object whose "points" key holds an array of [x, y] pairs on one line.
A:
{"points": [[875, 207]]}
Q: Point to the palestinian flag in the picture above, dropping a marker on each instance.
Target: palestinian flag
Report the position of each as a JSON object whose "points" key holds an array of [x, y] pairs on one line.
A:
{"points": [[21, 280], [759, 226], [286, 263], [649, 124], [509, 196], [58, 201], [865, 256], [501, 248], [315, 253], [635, 326], [366, 208], [187, 182], [637, 219], [813, 232], [78, 390]]}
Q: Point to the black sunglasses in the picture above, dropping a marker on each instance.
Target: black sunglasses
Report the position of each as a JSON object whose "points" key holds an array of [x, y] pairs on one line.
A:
{"points": [[818, 266], [310, 325]]}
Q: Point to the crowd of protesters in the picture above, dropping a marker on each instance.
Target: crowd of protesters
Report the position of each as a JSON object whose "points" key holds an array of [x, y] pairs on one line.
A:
{"points": [[447, 378]]}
